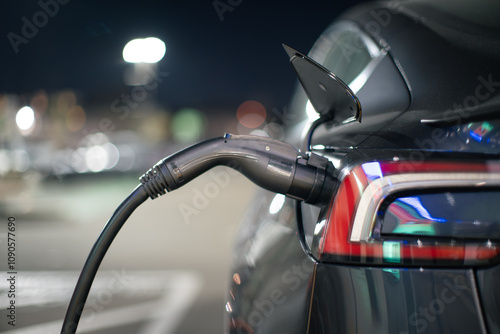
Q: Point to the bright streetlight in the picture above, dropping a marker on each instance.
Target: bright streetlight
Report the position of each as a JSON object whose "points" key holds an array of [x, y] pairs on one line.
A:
{"points": [[25, 118], [144, 50]]}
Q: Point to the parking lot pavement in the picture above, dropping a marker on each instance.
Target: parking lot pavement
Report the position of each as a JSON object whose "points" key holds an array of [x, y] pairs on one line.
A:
{"points": [[166, 272]]}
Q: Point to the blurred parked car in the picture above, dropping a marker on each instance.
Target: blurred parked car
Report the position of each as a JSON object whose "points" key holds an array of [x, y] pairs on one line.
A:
{"points": [[410, 242]]}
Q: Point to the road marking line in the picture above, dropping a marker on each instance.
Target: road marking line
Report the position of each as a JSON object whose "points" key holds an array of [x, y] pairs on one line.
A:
{"points": [[178, 290]]}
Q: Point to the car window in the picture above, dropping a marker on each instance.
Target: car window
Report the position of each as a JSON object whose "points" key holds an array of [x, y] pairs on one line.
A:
{"points": [[347, 52]]}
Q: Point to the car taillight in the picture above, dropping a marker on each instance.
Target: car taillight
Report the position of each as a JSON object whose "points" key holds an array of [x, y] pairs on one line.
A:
{"points": [[354, 230]]}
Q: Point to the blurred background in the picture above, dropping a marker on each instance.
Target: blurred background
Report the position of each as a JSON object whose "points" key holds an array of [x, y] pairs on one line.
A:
{"points": [[92, 94]]}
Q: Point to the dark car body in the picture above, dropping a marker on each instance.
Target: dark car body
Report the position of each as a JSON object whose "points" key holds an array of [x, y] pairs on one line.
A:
{"points": [[410, 241]]}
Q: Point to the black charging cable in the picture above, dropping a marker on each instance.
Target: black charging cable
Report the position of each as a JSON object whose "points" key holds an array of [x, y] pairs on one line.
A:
{"points": [[271, 164], [110, 230]]}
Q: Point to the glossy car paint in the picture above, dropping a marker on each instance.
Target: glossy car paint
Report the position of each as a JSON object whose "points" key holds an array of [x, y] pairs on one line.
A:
{"points": [[440, 74], [272, 274]]}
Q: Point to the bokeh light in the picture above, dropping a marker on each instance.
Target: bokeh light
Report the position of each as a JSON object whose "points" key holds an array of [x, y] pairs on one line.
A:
{"points": [[77, 160], [112, 154], [259, 132], [20, 160], [25, 118], [5, 162], [75, 118], [65, 101], [126, 158], [144, 50], [188, 125], [40, 101], [251, 114], [275, 130], [96, 158]]}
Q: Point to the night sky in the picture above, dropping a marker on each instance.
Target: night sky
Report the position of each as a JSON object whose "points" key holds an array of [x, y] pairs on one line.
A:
{"points": [[212, 62]]}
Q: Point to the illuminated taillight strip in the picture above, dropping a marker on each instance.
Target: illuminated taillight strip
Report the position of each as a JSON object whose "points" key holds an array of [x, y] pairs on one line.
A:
{"points": [[351, 216], [377, 190]]}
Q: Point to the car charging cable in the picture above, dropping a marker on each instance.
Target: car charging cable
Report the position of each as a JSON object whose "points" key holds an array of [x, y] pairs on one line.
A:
{"points": [[269, 163]]}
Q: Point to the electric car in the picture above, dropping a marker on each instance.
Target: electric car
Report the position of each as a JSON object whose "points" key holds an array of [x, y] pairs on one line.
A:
{"points": [[410, 240]]}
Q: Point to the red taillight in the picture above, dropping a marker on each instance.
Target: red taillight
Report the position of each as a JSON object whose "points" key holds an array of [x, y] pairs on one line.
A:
{"points": [[351, 234]]}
